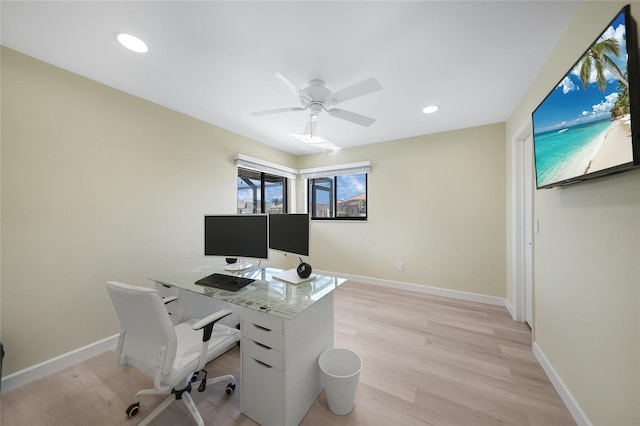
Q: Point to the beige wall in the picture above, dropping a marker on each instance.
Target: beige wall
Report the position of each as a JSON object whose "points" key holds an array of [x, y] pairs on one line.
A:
{"points": [[97, 185], [587, 260], [436, 203]]}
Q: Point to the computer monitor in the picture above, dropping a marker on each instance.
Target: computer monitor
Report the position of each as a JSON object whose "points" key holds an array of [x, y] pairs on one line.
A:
{"points": [[289, 233], [236, 236]]}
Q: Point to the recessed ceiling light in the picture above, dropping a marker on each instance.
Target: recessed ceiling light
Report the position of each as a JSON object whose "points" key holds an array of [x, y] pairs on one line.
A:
{"points": [[431, 109], [132, 42]]}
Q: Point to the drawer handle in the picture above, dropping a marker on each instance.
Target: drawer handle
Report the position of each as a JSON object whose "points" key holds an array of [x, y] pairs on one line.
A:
{"points": [[262, 363], [262, 346], [261, 327]]}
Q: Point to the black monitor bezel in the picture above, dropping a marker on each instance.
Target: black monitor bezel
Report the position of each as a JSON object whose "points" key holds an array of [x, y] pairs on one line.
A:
{"points": [[258, 250], [301, 221]]}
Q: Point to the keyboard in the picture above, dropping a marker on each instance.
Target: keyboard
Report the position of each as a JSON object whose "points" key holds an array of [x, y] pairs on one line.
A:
{"points": [[225, 282]]}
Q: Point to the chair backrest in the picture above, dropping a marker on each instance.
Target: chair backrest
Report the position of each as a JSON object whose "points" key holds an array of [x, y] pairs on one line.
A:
{"points": [[150, 339]]}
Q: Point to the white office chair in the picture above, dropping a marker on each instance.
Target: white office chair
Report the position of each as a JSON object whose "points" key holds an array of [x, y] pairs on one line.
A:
{"points": [[174, 355]]}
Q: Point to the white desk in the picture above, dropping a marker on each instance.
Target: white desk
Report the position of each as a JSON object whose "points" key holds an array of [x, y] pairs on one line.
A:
{"points": [[285, 327]]}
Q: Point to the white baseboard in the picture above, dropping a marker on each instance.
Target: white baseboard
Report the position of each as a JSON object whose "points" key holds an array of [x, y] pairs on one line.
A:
{"points": [[572, 405], [58, 363], [436, 291], [509, 307]]}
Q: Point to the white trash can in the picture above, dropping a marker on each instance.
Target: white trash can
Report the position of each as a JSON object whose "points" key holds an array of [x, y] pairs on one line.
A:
{"points": [[340, 370]]}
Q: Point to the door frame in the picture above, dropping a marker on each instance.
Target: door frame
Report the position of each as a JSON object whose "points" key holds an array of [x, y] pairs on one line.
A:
{"points": [[519, 302]]}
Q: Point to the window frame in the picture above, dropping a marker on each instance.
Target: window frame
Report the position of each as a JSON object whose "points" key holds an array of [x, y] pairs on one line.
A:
{"points": [[263, 180], [333, 198]]}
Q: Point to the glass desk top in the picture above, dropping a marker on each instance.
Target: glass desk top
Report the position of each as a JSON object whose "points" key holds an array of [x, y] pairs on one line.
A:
{"points": [[266, 294]]}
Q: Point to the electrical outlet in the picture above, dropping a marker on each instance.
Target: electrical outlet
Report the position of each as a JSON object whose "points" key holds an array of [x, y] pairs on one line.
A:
{"points": [[399, 266]]}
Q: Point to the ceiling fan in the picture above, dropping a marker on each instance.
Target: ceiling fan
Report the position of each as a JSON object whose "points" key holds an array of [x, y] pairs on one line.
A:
{"points": [[317, 98]]}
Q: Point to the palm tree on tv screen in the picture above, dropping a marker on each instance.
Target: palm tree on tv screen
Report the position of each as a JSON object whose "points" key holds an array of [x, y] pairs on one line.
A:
{"points": [[622, 105], [598, 56]]}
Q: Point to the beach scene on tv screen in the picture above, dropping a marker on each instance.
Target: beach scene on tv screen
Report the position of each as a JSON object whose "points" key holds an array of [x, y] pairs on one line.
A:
{"points": [[584, 124]]}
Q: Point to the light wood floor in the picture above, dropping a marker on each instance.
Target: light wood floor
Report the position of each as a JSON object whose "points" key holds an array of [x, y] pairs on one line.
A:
{"points": [[427, 360]]}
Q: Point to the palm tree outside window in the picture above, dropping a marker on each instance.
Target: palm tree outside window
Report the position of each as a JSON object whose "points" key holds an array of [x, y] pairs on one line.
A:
{"points": [[260, 192]]}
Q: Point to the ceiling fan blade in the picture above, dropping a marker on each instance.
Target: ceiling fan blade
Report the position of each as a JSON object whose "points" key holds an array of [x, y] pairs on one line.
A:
{"points": [[276, 111], [351, 116], [290, 86], [365, 87]]}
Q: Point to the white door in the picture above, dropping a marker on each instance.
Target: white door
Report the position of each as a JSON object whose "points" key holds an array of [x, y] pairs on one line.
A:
{"points": [[527, 191]]}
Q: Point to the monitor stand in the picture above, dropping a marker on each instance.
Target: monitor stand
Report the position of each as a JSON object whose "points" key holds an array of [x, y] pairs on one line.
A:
{"points": [[240, 265], [291, 276]]}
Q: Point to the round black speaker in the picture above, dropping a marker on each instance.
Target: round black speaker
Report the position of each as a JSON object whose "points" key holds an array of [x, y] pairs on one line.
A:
{"points": [[231, 260], [304, 270]]}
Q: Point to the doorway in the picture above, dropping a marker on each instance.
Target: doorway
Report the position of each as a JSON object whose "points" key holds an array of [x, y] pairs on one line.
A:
{"points": [[523, 227]]}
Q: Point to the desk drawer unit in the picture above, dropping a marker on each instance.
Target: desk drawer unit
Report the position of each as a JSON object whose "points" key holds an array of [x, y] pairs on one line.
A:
{"points": [[263, 368], [172, 308], [262, 392], [280, 374]]}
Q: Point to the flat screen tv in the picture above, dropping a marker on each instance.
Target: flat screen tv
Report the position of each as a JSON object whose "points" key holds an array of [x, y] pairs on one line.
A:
{"points": [[588, 126], [289, 233], [236, 236]]}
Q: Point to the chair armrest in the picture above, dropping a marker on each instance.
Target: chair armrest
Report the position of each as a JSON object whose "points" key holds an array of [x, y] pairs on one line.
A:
{"points": [[169, 299], [208, 322]]}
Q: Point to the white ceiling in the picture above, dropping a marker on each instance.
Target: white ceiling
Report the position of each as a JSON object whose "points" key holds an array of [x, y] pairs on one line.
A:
{"points": [[210, 59]]}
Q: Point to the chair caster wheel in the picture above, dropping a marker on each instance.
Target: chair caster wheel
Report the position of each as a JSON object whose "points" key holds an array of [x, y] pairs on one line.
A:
{"points": [[230, 388], [133, 409]]}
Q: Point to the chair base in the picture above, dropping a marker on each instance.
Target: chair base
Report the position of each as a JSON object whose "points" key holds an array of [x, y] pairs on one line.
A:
{"points": [[183, 394]]}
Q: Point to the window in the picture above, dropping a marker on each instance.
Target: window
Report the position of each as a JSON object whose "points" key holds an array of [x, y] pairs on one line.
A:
{"points": [[338, 191], [338, 197], [262, 186], [260, 192]]}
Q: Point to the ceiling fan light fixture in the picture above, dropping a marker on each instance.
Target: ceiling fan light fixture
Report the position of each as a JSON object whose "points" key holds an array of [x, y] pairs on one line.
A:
{"points": [[316, 141], [431, 109], [132, 43], [316, 97], [308, 139]]}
